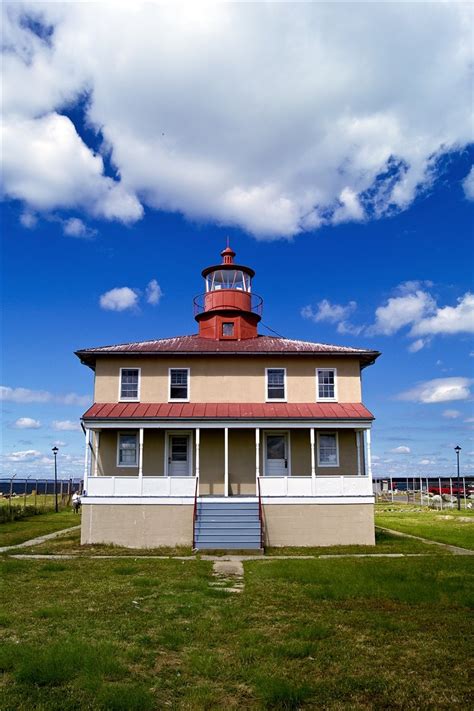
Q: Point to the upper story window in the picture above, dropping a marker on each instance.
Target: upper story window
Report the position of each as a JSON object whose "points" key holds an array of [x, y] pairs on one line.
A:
{"points": [[129, 383], [276, 383], [326, 383], [228, 329], [127, 450], [179, 384], [328, 452]]}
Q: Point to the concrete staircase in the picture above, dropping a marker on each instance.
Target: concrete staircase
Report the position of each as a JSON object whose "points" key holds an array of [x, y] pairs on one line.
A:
{"points": [[227, 525]]}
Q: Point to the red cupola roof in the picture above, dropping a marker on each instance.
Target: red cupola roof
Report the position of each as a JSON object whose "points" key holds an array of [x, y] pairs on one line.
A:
{"points": [[228, 310]]}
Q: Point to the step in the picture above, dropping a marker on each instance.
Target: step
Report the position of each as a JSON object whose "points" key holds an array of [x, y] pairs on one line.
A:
{"points": [[209, 538], [224, 505], [234, 525], [218, 518], [228, 546]]}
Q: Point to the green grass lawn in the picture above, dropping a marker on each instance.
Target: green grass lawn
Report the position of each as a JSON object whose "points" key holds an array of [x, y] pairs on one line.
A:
{"points": [[454, 527], [13, 532], [148, 634]]}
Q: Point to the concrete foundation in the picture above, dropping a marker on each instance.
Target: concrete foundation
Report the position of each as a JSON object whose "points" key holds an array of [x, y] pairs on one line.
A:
{"points": [[152, 526]]}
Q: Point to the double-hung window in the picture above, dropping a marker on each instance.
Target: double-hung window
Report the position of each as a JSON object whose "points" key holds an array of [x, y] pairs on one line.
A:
{"points": [[326, 384], [328, 455], [127, 450], [179, 384], [129, 383], [276, 383]]}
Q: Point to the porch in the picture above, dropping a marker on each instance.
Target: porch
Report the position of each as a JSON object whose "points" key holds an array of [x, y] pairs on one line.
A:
{"points": [[279, 462]]}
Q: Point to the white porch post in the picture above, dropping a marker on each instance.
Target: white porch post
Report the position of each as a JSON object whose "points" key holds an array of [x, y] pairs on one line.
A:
{"points": [[358, 452], [96, 451], [140, 458], [368, 461], [197, 444], [313, 461], [257, 456], [86, 459], [226, 461]]}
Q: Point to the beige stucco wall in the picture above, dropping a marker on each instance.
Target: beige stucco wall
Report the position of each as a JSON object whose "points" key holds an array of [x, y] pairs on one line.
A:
{"points": [[241, 457], [230, 379], [137, 526], [319, 524]]}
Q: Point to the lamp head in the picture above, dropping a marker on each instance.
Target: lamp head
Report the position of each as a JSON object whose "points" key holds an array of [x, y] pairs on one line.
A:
{"points": [[457, 449], [55, 450]]}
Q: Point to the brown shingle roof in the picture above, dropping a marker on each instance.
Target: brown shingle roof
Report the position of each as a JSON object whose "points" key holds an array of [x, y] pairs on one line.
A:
{"points": [[195, 345]]}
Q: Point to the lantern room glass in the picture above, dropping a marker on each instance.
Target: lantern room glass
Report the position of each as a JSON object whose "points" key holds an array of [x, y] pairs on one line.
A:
{"points": [[228, 279]]}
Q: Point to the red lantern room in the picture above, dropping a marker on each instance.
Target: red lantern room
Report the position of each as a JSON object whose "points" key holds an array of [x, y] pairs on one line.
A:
{"points": [[228, 310]]}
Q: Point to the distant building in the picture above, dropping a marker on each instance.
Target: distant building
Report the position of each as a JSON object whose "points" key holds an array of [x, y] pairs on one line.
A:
{"points": [[227, 439]]}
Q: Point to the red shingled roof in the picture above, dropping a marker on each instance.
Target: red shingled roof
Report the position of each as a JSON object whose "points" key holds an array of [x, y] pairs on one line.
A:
{"points": [[233, 411], [195, 345]]}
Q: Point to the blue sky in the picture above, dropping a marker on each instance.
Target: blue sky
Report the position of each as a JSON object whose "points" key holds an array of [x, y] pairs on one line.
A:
{"points": [[369, 246]]}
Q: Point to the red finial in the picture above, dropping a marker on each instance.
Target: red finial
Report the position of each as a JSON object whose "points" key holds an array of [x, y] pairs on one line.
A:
{"points": [[228, 254]]}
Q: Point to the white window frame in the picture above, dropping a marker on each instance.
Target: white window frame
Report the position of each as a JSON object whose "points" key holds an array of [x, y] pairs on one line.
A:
{"points": [[190, 434], [130, 399], [326, 399], [325, 465], [179, 399], [128, 433], [275, 399], [287, 433]]}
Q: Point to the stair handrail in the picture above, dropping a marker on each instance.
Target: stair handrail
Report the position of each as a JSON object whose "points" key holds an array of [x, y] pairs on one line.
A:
{"points": [[195, 515], [260, 514]]}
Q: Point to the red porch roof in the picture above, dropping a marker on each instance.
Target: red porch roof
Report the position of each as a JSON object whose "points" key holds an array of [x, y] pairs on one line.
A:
{"points": [[231, 411]]}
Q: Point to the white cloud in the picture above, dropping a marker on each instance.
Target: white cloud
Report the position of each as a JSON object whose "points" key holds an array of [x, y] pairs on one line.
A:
{"points": [[451, 414], [25, 395], [417, 345], [292, 123], [468, 184], [438, 390], [27, 423], [402, 449], [28, 219], [59, 443], [74, 227], [153, 292], [426, 462], [23, 456], [66, 425], [448, 319], [119, 299], [401, 311], [325, 311], [469, 420]]}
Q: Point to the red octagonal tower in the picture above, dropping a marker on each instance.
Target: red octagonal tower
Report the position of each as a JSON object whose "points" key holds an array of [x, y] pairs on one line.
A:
{"points": [[228, 310]]}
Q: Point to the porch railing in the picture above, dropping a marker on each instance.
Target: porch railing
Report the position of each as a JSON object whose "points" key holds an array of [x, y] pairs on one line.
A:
{"points": [[317, 486], [195, 510], [141, 486]]}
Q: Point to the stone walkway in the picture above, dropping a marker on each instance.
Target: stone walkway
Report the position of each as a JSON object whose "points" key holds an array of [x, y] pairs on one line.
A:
{"points": [[38, 540]]}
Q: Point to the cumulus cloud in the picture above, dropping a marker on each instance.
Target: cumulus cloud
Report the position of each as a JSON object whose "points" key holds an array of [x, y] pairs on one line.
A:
{"points": [[468, 185], [448, 319], [66, 425], [292, 123], [402, 449], [27, 423], [451, 414], [400, 311], [119, 299], [74, 227], [25, 395], [153, 293], [26, 455], [325, 311], [28, 220], [426, 462], [438, 390]]}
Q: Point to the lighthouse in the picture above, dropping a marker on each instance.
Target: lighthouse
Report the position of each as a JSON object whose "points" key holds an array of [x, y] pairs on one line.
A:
{"points": [[228, 310]]}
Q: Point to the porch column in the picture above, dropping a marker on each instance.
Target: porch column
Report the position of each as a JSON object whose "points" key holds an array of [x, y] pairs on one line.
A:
{"points": [[197, 443], [140, 453], [257, 456], [86, 458], [368, 460], [226, 461], [96, 451], [358, 452], [313, 461]]}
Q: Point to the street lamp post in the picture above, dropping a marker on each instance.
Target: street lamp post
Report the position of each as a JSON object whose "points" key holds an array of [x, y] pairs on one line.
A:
{"points": [[457, 450], [55, 452]]}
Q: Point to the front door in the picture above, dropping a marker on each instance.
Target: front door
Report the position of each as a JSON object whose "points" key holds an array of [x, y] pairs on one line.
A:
{"points": [[178, 458], [276, 453]]}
